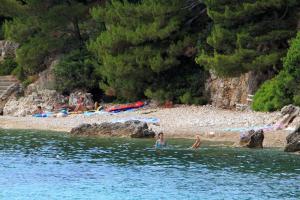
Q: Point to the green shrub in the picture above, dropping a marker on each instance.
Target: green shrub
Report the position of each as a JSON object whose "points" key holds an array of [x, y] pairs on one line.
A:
{"points": [[76, 71], [270, 97], [296, 100], [1, 33], [285, 87], [18, 72], [159, 95], [186, 98], [33, 54], [29, 80], [7, 66]]}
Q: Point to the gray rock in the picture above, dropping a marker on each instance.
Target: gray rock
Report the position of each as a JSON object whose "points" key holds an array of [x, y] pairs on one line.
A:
{"points": [[7, 49], [293, 141], [226, 92], [288, 114], [25, 105], [46, 79], [133, 129], [289, 109], [74, 97], [253, 139]]}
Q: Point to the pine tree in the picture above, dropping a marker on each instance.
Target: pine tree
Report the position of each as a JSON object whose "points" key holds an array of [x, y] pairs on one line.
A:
{"points": [[46, 28], [148, 47], [248, 34]]}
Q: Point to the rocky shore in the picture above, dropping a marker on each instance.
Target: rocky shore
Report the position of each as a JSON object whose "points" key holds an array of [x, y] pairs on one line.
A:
{"points": [[181, 122]]}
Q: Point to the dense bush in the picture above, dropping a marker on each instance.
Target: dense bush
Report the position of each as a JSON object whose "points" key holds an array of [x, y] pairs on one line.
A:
{"points": [[7, 66], [285, 87], [76, 71], [183, 84]]}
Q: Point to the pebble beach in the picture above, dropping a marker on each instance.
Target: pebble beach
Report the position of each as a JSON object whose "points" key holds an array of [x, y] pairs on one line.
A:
{"points": [[179, 122]]}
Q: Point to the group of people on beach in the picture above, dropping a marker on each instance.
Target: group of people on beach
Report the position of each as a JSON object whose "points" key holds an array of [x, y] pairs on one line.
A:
{"points": [[80, 107], [161, 142]]}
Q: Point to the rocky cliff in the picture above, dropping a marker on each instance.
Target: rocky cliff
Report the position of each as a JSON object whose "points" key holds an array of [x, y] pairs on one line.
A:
{"points": [[45, 80], [227, 92]]}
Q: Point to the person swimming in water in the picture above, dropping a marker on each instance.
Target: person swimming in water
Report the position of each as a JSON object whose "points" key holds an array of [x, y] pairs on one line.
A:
{"points": [[160, 142], [197, 143]]}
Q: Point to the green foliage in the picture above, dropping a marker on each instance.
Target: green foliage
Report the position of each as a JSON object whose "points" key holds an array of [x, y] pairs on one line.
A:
{"points": [[76, 71], [186, 98], [270, 97], [1, 28], [248, 35], [7, 66], [134, 49], [296, 100], [47, 29], [29, 80], [10, 8], [159, 95], [32, 55], [144, 49], [285, 87], [19, 73]]}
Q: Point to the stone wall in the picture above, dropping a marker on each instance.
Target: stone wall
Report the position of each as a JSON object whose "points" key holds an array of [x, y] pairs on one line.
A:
{"points": [[227, 92]]}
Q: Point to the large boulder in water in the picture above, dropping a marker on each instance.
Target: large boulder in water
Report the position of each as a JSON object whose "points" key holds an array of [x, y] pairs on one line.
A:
{"points": [[293, 141], [134, 129], [253, 139]]}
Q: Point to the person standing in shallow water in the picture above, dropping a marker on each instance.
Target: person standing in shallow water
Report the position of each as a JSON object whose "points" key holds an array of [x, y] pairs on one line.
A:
{"points": [[160, 142], [197, 143]]}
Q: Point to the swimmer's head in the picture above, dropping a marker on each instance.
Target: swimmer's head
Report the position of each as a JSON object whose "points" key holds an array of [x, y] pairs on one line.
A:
{"points": [[160, 135]]}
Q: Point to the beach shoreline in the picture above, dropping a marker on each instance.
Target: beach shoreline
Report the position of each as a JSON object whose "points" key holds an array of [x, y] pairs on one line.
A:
{"points": [[212, 124]]}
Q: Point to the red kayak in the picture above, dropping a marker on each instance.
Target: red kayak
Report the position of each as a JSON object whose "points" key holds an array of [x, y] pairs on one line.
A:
{"points": [[125, 107]]}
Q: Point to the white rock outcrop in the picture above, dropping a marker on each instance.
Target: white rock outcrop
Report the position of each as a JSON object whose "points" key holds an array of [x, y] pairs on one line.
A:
{"points": [[25, 105]]}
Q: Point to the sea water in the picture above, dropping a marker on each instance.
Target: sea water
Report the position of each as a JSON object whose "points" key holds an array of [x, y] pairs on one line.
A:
{"points": [[44, 165]]}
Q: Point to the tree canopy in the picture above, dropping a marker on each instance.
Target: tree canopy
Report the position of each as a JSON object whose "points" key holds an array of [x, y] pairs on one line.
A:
{"points": [[148, 48], [248, 35], [46, 28], [155, 49]]}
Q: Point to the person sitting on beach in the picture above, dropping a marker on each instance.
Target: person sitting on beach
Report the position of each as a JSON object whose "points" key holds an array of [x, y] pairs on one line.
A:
{"points": [[160, 142], [97, 106], [38, 110], [80, 105], [197, 143]]}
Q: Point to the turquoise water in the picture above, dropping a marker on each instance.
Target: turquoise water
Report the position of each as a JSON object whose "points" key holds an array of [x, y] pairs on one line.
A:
{"points": [[41, 165]]}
